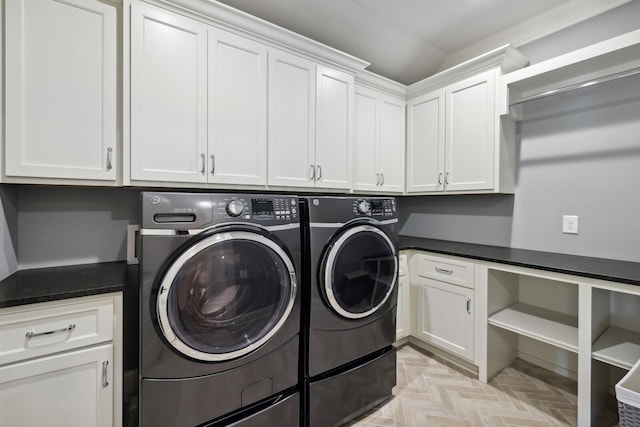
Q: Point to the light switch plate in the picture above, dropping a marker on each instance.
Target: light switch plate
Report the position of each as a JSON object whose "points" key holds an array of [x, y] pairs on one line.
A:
{"points": [[570, 224]]}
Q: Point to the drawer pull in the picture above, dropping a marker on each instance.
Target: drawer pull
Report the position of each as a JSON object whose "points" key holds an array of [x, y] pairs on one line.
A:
{"points": [[69, 328], [444, 270], [105, 382]]}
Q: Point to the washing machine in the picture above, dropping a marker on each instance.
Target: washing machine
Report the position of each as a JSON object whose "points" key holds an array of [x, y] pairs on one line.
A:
{"points": [[219, 310], [350, 294]]}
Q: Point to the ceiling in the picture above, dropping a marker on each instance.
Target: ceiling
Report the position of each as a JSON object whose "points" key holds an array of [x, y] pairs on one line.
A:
{"points": [[408, 40]]}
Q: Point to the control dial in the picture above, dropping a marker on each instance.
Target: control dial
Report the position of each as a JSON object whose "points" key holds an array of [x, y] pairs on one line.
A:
{"points": [[364, 207], [235, 208]]}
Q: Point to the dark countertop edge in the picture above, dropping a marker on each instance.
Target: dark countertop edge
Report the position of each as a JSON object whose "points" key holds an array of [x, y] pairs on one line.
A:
{"points": [[576, 265], [39, 285]]}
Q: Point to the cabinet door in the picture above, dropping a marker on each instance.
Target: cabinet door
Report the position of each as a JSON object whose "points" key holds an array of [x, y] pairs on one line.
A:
{"points": [[391, 144], [168, 96], [425, 143], [366, 175], [334, 91], [403, 310], [292, 110], [237, 109], [61, 89], [470, 133], [65, 390], [445, 317]]}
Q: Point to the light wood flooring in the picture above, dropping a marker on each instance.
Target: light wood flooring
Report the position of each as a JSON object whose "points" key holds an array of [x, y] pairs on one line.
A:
{"points": [[432, 392]]}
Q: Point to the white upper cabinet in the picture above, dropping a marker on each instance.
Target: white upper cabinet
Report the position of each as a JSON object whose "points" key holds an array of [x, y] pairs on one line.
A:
{"points": [[379, 130], [237, 109], [334, 109], [425, 143], [168, 97], [60, 90], [292, 107]]}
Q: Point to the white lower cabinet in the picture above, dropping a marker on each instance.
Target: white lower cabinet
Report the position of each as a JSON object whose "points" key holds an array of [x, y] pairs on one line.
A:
{"points": [[403, 319], [60, 363], [445, 309]]}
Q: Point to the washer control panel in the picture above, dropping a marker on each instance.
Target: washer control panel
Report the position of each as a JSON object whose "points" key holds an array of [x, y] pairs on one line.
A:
{"points": [[375, 207], [263, 209]]}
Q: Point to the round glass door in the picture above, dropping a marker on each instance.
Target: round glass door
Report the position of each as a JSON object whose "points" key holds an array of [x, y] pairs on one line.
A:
{"points": [[226, 296], [360, 271]]}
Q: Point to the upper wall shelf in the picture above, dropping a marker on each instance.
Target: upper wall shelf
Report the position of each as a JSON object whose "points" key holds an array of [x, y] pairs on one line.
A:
{"points": [[578, 68]]}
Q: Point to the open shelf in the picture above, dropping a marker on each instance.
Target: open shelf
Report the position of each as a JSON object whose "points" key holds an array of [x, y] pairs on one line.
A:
{"points": [[551, 327], [611, 56], [618, 347]]}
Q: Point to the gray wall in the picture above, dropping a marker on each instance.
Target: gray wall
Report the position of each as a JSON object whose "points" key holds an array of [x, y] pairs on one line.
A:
{"points": [[73, 225], [579, 154]]}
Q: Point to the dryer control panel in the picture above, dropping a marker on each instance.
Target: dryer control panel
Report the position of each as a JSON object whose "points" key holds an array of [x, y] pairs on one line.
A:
{"points": [[258, 208], [374, 207]]}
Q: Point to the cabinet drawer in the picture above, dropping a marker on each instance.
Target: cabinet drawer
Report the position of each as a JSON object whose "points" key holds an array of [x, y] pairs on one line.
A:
{"points": [[446, 270], [403, 269], [53, 328]]}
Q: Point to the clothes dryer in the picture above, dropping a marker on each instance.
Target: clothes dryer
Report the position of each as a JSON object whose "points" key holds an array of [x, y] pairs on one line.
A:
{"points": [[219, 309], [350, 292]]}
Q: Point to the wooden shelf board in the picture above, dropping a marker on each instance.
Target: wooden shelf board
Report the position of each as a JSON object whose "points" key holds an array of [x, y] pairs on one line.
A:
{"points": [[558, 329], [618, 347]]}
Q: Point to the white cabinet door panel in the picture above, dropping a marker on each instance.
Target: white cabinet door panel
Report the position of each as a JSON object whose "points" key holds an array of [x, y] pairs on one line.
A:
{"points": [[470, 133], [292, 107], [445, 317], [67, 390], [391, 145], [168, 96], [237, 109], [366, 175], [425, 143], [61, 91], [333, 133]]}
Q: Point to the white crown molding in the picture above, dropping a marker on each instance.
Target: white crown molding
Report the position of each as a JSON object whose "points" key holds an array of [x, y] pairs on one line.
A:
{"points": [[505, 57], [233, 19], [553, 20], [380, 83]]}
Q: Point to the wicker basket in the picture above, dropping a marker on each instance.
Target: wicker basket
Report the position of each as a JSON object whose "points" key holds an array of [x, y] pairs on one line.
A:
{"points": [[628, 395]]}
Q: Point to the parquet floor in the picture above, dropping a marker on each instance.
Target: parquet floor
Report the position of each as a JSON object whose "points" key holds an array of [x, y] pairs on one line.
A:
{"points": [[430, 392]]}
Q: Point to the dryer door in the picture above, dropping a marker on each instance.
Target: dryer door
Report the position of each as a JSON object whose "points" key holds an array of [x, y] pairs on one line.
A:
{"points": [[360, 271], [226, 295]]}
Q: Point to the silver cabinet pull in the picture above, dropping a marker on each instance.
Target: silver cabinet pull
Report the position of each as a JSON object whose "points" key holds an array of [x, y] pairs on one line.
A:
{"points": [[444, 270], [319, 173], [213, 164], [469, 305], [204, 163], [312, 174], [69, 328], [105, 365], [109, 158], [440, 178], [446, 178], [381, 179], [377, 179]]}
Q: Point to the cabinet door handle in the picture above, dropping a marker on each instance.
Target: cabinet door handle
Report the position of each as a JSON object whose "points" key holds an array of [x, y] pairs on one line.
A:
{"points": [[213, 164], [204, 163], [319, 173], [446, 178], [69, 328], [312, 174], [377, 179], [382, 179], [444, 270], [109, 158], [440, 178], [105, 365], [468, 305]]}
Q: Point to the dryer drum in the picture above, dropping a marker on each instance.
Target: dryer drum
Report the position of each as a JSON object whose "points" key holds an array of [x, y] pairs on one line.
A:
{"points": [[227, 298]]}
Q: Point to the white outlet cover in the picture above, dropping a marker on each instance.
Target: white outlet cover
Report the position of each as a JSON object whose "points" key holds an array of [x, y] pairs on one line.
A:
{"points": [[570, 224]]}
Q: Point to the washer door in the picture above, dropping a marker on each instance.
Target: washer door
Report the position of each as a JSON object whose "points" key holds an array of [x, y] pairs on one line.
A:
{"points": [[226, 295], [360, 271]]}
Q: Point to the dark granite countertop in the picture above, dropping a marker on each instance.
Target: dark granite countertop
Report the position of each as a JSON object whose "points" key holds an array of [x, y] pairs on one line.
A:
{"points": [[596, 268], [56, 283]]}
